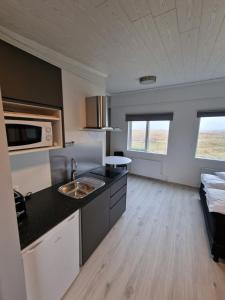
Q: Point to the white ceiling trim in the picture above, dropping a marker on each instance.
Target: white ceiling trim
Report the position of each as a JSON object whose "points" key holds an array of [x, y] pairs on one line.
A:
{"points": [[178, 85], [53, 57]]}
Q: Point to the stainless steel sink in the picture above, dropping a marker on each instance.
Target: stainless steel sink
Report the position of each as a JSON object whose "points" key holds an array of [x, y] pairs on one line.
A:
{"points": [[81, 187]]}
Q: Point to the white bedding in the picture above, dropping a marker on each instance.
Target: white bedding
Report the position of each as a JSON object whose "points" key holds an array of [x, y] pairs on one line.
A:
{"points": [[215, 200], [212, 181], [220, 175]]}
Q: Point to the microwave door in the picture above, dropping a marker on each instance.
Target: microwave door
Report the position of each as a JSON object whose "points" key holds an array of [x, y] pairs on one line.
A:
{"points": [[20, 134], [23, 134]]}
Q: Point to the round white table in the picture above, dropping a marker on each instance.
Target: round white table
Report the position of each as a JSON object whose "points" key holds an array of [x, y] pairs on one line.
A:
{"points": [[117, 160]]}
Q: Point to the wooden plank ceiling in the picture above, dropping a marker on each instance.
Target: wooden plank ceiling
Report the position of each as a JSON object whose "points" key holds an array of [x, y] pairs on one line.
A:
{"points": [[178, 41]]}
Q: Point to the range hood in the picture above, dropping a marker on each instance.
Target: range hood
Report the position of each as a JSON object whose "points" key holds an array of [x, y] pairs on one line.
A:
{"points": [[98, 113]]}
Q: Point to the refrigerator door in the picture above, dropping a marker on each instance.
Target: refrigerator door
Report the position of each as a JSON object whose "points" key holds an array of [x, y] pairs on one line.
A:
{"points": [[52, 263]]}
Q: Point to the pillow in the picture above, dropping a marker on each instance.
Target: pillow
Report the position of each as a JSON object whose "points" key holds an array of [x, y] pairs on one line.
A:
{"points": [[216, 200], [220, 175], [212, 181], [214, 184], [209, 177]]}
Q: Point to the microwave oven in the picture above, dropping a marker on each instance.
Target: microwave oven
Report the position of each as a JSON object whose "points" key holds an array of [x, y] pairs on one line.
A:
{"points": [[23, 134]]}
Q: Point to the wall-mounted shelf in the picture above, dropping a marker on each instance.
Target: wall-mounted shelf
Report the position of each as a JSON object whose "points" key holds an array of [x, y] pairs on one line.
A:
{"points": [[18, 152], [8, 114], [16, 110], [20, 110], [101, 130]]}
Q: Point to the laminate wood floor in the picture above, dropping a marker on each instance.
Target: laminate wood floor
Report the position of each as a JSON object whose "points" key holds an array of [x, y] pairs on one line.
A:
{"points": [[157, 250]]}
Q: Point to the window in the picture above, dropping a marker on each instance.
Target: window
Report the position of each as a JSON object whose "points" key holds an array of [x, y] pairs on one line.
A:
{"points": [[137, 131], [149, 132], [148, 136], [211, 137]]}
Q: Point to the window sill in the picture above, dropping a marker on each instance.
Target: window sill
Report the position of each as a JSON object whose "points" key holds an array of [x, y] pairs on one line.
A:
{"points": [[147, 153], [210, 159]]}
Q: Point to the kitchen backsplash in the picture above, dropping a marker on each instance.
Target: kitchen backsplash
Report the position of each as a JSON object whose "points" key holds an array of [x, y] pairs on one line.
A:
{"points": [[87, 156]]}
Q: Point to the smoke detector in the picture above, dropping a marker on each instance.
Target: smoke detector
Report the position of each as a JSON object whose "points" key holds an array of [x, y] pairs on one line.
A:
{"points": [[150, 79]]}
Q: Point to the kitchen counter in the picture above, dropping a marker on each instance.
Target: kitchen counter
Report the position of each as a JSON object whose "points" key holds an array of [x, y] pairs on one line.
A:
{"points": [[47, 208]]}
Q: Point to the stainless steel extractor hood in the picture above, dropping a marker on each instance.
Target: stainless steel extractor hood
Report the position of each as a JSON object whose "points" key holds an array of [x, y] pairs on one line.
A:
{"points": [[97, 113]]}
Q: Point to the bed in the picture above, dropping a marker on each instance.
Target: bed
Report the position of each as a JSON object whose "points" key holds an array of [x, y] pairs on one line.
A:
{"points": [[215, 225]]}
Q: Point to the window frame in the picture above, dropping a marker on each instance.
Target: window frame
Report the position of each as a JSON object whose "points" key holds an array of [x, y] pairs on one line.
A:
{"points": [[196, 144], [129, 139]]}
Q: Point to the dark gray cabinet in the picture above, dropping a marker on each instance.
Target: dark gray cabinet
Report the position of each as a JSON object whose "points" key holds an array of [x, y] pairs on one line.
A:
{"points": [[118, 185], [117, 201], [94, 223], [117, 210], [99, 216], [29, 79]]}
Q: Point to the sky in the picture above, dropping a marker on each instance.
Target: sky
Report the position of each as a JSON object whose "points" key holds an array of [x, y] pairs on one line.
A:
{"points": [[206, 124], [153, 125], [212, 123]]}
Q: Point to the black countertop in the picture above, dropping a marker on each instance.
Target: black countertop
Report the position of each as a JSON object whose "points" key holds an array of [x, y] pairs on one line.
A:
{"points": [[48, 207]]}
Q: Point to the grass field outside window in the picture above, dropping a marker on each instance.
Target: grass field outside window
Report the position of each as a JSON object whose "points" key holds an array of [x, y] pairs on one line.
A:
{"points": [[148, 136], [211, 138]]}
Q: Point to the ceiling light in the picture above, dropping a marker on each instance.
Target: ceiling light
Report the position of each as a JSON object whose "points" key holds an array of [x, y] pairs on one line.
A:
{"points": [[147, 79]]}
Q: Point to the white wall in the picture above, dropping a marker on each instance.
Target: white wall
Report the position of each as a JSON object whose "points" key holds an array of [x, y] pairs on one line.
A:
{"points": [[12, 285], [75, 90], [31, 172], [179, 165]]}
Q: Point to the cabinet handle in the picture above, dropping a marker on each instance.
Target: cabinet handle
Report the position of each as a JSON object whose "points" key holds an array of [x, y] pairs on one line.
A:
{"points": [[71, 218], [32, 249]]}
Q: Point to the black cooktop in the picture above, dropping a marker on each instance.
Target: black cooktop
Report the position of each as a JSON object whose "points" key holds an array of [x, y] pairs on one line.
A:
{"points": [[108, 172]]}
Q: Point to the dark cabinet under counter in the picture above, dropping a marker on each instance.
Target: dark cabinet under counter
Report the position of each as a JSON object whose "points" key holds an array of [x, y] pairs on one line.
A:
{"points": [[94, 224], [117, 210], [28, 79], [100, 215], [117, 201]]}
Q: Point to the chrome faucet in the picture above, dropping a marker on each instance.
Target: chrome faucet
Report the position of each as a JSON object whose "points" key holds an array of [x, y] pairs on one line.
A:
{"points": [[73, 169]]}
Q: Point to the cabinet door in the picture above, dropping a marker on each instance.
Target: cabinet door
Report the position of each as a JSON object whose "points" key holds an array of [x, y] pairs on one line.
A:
{"points": [[29, 79], [52, 264], [94, 223]]}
